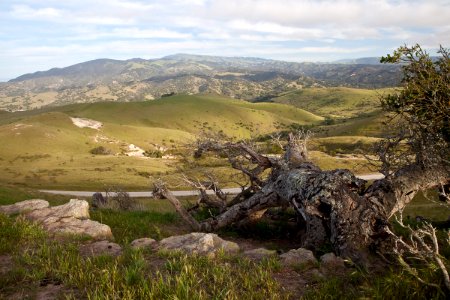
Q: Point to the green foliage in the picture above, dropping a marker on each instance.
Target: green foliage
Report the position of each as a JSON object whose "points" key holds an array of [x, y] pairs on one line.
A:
{"points": [[153, 153], [426, 88], [422, 104]]}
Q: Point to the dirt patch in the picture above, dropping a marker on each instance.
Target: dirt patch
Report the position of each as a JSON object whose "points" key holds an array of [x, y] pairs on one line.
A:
{"points": [[86, 123]]}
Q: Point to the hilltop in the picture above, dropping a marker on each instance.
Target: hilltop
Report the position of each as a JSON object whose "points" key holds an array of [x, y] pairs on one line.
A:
{"points": [[253, 79]]}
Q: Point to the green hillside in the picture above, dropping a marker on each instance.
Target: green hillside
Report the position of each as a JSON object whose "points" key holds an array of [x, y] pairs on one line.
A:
{"points": [[334, 102], [43, 148], [194, 113]]}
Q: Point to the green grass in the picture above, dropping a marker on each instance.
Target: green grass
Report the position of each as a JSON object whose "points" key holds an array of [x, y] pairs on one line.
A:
{"points": [[43, 149], [427, 205], [344, 144], [335, 102], [130, 225], [370, 125], [158, 275], [393, 284], [133, 275]]}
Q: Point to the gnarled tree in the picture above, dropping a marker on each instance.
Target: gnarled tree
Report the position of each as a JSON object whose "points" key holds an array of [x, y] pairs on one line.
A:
{"points": [[338, 208]]}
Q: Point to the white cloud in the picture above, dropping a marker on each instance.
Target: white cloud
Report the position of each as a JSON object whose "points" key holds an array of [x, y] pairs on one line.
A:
{"points": [[149, 33], [26, 12], [75, 30]]}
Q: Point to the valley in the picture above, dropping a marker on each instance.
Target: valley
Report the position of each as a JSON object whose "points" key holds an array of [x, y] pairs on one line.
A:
{"points": [[44, 148]]}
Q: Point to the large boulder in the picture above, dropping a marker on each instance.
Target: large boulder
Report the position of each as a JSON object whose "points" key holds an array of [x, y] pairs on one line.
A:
{"points": [[198, 243], [70, 218], [299, 257], [78, 209], [24, 206], [93, 229]]}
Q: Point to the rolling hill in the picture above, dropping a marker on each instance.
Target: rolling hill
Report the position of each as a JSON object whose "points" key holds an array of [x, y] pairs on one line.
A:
{"points": [[334, 102], [43, 148]]}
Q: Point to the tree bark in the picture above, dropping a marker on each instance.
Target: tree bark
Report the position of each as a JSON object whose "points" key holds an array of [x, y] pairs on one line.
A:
{"points": [[336, 206]]}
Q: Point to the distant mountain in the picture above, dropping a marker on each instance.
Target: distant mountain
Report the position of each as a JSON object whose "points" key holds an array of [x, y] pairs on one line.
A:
{"points": [[360, 61], [139, 79]]}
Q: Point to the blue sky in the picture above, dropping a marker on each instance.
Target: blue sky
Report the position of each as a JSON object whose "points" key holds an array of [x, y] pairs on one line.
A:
{"points": [[41, 34]]}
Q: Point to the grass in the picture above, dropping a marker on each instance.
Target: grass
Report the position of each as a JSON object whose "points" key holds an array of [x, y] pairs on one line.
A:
{"points": [[36, 260], [133, 275], [130, 225], [393, 284], [335, 102], [369, 125], [344, 144], [43, 149]]}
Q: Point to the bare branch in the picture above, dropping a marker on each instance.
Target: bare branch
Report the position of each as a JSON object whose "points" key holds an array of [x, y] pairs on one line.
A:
{"points": [[160, 191]]}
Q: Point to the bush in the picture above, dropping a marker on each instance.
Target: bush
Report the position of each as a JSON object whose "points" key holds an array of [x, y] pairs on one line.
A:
{"points": [[100, 150]]}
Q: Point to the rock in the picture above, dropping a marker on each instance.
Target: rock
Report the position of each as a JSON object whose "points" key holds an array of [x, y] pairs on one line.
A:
{"points": [[75, 208], [24, 206], [329, 260], [198, 243], [72, 218], [98, 200], [144, 243], [101, 248], [259, 253], [298, 256], [93, 229]]}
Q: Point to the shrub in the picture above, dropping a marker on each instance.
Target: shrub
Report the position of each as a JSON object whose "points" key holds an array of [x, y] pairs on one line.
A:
{"points": [[100, 150]]}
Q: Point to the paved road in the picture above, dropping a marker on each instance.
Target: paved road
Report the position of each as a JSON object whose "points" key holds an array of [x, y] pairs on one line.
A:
{"points": [[143, 194]]}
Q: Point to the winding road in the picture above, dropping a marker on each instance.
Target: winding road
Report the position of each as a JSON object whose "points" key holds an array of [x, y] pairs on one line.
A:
{"points": [[147, 194]]}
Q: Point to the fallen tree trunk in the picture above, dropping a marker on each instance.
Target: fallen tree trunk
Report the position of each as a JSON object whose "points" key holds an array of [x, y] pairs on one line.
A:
{"points": [[338, 209]]}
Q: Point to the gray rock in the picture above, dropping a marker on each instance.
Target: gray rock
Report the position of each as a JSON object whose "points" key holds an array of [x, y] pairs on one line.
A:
{"points": [[24, 206], [329, 260], [78, 209], [70, 218], [298, 256], [259, 253], [144, 243], [98, 200], [198, 243], [101, 248], [93, 229]]}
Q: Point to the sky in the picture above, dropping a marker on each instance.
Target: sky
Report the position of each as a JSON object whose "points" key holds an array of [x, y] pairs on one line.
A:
{"points": [[37, 35]]}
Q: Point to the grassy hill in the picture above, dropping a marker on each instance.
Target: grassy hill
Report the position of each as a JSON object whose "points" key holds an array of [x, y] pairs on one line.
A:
{"points": [[43, 148], [334, 102]]}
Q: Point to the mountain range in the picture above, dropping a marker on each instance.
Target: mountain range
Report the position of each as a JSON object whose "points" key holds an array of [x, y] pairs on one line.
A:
{"points": [[137, 79]]}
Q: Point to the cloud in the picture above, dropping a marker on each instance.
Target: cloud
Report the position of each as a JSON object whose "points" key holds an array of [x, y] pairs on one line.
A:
{"points": [[26, 12], [74, 30]]}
